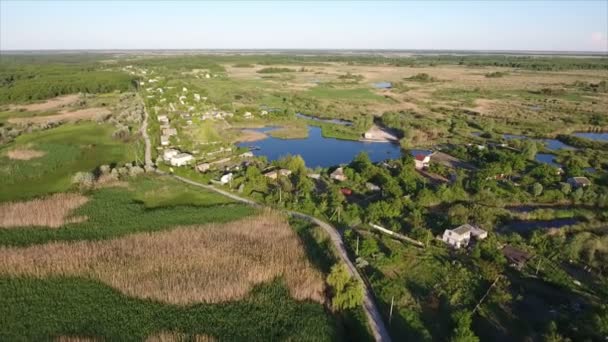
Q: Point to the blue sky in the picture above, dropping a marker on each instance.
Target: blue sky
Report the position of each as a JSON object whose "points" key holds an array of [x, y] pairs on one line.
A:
{"points": [[469, 25]]}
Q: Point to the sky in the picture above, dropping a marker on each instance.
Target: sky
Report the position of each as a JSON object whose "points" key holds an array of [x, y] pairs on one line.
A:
{"points": [[435, 25]]}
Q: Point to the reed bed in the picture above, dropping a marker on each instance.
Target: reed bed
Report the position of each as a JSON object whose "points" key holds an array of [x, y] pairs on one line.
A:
{"points": [[171, 336], [209, 263], [52, 211], [24, 154]]}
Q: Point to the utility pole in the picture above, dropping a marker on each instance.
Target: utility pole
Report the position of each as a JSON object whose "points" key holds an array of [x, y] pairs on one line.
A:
{"points": [[390, 314]]}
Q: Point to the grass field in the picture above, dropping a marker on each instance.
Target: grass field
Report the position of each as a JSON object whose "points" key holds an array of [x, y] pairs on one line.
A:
{"points": [[114, 212], [68, 149]]}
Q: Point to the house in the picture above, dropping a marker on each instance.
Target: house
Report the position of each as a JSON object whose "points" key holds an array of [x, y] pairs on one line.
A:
{"points": [[264, 112], [169, 153], [246, 155], [197, 97], [164, 140], [579, 182], [225, 179], [338, 175], [181, 159], [461, 236], [368, 135], [276, 173], [203, 167], [516, 257], [163, 119], [422, 160], [247, 115], [372, 187], [314, 175], [169, 131]]}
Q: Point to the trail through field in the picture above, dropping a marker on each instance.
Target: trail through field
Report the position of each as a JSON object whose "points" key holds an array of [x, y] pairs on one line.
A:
{"points": [[144, 134]]}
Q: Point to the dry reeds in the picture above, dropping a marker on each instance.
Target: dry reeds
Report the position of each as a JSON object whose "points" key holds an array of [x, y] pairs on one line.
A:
{"points": [[171, 336], [52, 211], [211, 263], [24, 154]]}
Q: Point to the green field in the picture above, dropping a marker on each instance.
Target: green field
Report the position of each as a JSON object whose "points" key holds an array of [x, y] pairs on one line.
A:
{"points": [[69, 149]]}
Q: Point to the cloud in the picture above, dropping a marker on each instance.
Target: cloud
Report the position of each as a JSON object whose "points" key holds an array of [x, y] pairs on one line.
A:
{"points": [[599, 40]]}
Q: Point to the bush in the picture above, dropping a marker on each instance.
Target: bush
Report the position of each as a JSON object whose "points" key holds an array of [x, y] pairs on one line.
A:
{"points": [[347, 292]]}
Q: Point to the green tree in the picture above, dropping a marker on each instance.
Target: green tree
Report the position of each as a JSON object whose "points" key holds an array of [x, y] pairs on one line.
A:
{"points": [[529, 149], [347, 292], [566, 188], [537, 189], [462, 328]]}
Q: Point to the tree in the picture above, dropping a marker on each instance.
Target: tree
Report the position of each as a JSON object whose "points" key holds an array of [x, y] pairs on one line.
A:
{"points": [[458, 214], [537, 189], [347, 292], [566, 188], [552, 335], [529, 149], [462, 330]]}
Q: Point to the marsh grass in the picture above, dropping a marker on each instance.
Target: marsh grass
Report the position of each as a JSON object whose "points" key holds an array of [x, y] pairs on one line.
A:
{"points": [[52, 211], [211, 263]]}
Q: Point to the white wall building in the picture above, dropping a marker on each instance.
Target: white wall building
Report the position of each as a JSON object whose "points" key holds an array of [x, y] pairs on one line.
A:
{"points": [[461, 236], [181, 159]]}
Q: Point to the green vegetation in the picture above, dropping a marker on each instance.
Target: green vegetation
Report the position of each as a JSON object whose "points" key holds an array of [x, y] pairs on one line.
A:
{"points": [[422, 77], [67, 150], [496, 74], [352, 94], [21, 81], [113, 212], [41, 309], [274, 70]]}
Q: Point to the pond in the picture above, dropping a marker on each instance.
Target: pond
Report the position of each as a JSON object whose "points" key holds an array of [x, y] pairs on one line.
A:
{"points": [[383, 85], [547, 158], [319, 151], [331, 121], [551, 144], [592, 136]]}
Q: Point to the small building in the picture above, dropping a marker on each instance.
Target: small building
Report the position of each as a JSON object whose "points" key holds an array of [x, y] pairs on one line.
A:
{"points": [[314, 175], [246, 155], [227, 178], [276, 173], [372, 186], [516, 257], [422, 160], [181, 159], [163, 119], [579, 182], [248, 115], [203, 167], [169, 153], [338, 175], [461, 236], [164, 140], [169, 131]]}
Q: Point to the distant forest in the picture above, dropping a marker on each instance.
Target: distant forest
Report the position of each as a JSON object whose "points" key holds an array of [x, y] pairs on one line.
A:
{"points": [[27, 78]]}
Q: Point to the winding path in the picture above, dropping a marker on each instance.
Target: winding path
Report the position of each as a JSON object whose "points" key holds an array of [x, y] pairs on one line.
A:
{"points": [[144, 134], [371, 311]]}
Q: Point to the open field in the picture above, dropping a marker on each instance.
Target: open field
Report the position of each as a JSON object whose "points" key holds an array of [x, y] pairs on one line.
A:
{"points": [[48, 104], [67, 150], [210, 264], [65, 115], [52, 211]]}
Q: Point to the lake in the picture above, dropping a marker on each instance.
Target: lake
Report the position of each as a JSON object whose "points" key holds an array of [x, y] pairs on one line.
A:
{"points": [[592, 136], [547, 158], [319, 151]]}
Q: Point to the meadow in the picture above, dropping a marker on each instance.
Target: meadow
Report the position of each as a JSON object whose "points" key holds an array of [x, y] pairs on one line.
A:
{"points": [[67, 149]]}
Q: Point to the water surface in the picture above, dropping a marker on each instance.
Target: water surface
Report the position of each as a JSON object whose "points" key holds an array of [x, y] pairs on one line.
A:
{"points": [[318, 151], [592, 136], [331, 121]]}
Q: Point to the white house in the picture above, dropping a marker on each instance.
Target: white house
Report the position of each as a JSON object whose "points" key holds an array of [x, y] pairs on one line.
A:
{"points": [[247, 115], [197, 97], [422, 160], [164, 140], [163, 119], [338, 175], [169, 153], [169, 131], [461, 236], [181, 159], [226, 178]]}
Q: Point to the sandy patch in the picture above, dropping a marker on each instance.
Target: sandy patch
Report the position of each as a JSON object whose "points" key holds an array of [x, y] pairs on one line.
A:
{"points": [[24, 154], [211, 263], [52, 211], [49, 104], [484, 106], [80, 114], [379, 134], [248, 135]]}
